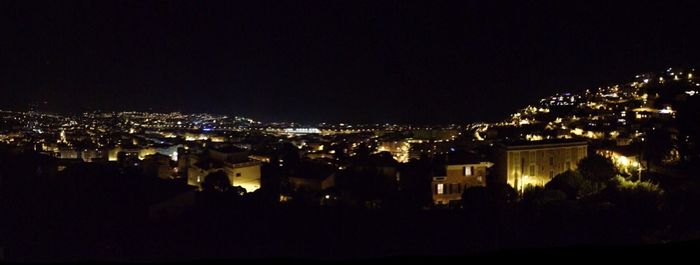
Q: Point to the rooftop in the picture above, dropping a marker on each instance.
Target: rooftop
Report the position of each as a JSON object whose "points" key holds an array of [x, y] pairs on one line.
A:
{"points": [[517, 144]]}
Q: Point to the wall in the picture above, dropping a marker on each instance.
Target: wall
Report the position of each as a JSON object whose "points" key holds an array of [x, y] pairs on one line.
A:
{"points": [[246, 175]]}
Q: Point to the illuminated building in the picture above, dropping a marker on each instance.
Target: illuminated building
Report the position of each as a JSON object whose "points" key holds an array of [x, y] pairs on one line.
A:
{"points": [[398, 149], [233, 161], [261, 158], [457, 178], [520, 164], [143, 152], [68, 153], [89, 155], [244, 174], [294, 131]]}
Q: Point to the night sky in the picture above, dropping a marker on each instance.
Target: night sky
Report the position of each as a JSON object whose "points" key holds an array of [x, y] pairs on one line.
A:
{"points": [[331, 61]]}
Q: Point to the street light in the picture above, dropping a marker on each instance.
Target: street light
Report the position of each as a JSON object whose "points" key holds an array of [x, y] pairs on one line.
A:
{"points": [[639, 170], [639, 174]]}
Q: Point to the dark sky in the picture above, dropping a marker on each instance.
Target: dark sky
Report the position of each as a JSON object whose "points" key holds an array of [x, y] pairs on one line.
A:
{"points": [[314, 61]]}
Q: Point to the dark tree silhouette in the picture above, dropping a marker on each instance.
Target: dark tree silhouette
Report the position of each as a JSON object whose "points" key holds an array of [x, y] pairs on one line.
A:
{"points": [[363, 151], [475, 199], [597, 169], [658, 144], [688, 121], [572, 183], [536, 197], [290, 155], [217, 181], [414, 184], [496, 197]]}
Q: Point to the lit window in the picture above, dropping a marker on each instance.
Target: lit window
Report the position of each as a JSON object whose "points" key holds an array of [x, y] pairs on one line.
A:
{"points": [[467, 171], [440, 188]]}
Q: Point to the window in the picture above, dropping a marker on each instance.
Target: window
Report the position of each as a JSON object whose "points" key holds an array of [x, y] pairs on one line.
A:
{"points": [[440, 188], [459, 188], [568, 165], [532, 170], [551, 160], [551, 174], [238, 174], [467, 171]]}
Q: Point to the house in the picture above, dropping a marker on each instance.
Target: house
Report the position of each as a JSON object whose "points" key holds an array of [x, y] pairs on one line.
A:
{"points": [[312, 177], [233, 161], [452, 179]]}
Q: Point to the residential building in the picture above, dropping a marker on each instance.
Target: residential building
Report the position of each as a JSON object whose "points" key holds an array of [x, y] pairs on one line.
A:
{"points": [[448, 185]]}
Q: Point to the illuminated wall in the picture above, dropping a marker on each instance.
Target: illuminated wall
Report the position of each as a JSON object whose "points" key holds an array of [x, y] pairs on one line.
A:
{"points": [[145, 152], [246, 175], [89, 155], [195, 176], [523, 165], [68, 154], [112, 154]]}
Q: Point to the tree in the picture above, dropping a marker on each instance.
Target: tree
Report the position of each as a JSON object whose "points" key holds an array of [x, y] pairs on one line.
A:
{"points": [[503, 195], [474, 199], [415, 184], [657, 146], [494, 197], [290, 155], [216, 181], [688, 122], [638, 200], [536, 197], [572, 183], [597, 169], [363, 151]]}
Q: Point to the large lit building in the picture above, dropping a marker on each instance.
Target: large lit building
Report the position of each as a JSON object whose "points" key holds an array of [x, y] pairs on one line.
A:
{"points": [[520, 164]]}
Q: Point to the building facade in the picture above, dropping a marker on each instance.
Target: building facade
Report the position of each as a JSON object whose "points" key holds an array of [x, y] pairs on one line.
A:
{"points": [[536, 163], [457, 178], [240, 170]]}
